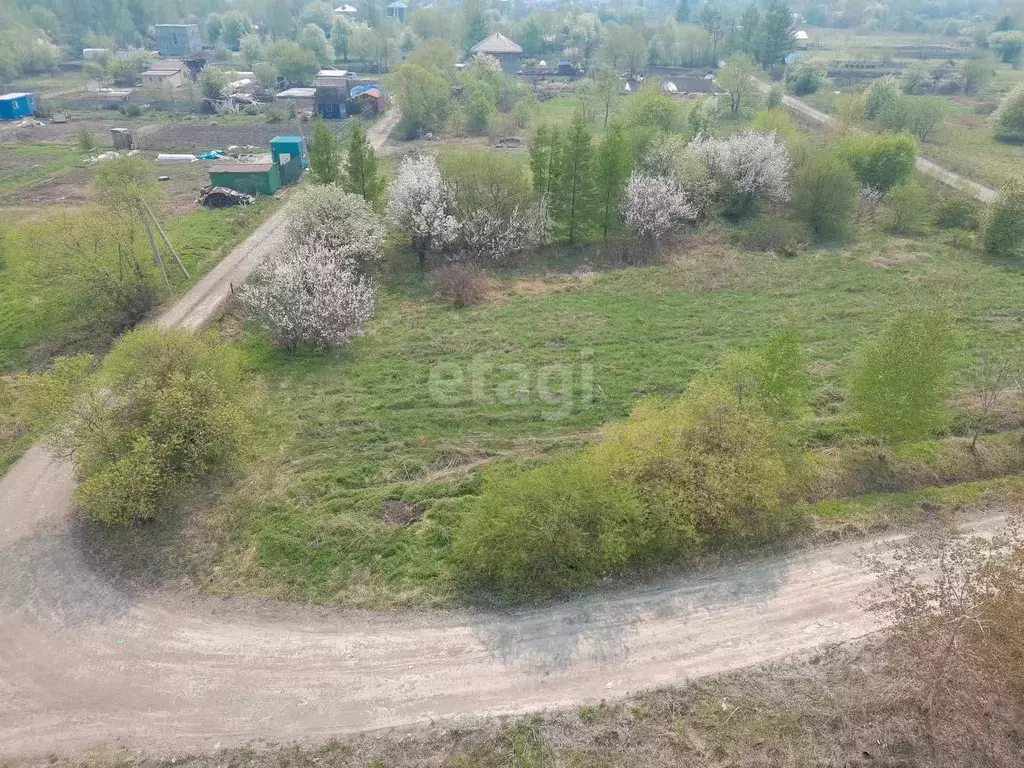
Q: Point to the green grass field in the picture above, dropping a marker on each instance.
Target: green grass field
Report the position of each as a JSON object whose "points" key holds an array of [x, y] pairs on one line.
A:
{"points": [[362, 431]]}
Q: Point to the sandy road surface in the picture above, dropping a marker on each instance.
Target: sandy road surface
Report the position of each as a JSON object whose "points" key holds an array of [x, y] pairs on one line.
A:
{"points": [[84, 661], [947, 177], [89, 657]]}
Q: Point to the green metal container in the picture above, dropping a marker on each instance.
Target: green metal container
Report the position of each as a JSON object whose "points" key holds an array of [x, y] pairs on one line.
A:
{"points": [[253, 179]]}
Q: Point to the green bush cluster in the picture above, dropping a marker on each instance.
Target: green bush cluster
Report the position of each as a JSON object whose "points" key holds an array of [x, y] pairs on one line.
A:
{"points": [[909, 208], [805, 78], [164, 410], [1008, 119], [825, 195], [1003, 229], [712, 471], [880, 162]]}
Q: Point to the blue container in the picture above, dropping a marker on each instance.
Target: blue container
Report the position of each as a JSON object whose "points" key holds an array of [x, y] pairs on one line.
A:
{"points": [[14, 106]]}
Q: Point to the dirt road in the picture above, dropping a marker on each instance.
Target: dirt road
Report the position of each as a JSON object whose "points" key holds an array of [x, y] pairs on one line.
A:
{"points": [[85, 660], [947, 177], [89, 656]]}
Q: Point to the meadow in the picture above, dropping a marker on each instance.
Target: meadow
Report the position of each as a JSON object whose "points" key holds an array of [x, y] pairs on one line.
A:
{"points": [[376, 451]]}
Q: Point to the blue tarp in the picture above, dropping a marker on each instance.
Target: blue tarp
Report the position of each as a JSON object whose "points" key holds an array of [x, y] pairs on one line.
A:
{"points": [[213, 154], [361, 89]]}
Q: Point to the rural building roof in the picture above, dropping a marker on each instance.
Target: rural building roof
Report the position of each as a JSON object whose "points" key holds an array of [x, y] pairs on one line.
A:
{"points": [[359, 90], [176, 26], [345, 9], [286, 140], [497, 43], [160, 72], [241, 168], [165, 65], [13, 96], [332, 77], [800, 35], [297, 93], [397, 4]]}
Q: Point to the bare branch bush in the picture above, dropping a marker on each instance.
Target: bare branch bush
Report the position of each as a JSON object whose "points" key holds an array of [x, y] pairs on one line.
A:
{"points": [[955, 653]]}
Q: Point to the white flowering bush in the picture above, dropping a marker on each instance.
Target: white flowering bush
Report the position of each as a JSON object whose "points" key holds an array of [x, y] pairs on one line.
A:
{"points": [[754, 167], [653, 206], [489, 236], [343, 226], [304, 295], [421, 204]]}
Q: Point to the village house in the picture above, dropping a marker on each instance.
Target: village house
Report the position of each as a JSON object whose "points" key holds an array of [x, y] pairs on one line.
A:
{"points": [[509, 53], [165, 73]]}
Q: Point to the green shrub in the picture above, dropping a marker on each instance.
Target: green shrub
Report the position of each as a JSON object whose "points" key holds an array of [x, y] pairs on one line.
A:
{"points": [[773, 100], [1008, 119], [880, 95], [773, 375], [804, 78], [900, 379], [825, 195], [920, 116], [1008, 44], [213, 82], [164, 410], [880, 162], [958, 213], [549, 529], [712, 471], [909, 208], [1003, 229], [86, 141]]}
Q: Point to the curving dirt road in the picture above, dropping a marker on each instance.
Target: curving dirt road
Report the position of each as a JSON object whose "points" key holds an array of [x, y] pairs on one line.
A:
{"points": [[88, 656], [946, 176]]}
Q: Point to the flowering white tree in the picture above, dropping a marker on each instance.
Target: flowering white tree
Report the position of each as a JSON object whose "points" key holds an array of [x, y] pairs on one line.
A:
{"points": [[342, 226], [756, 166], [485, 235], [302, 295], [420, 203], [653, 206]]}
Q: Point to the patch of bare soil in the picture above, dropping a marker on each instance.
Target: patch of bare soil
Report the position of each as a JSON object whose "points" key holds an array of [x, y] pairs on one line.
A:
{"points": [[204, 134], [558, 283], [398, 512]]}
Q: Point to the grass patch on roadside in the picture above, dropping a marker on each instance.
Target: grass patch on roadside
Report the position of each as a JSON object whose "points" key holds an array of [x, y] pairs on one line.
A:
{"points": [[364, 426], [42, 315]]}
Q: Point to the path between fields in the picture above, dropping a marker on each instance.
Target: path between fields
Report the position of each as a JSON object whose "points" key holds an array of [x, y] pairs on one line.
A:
{"points": [[947, 177], [89, 656]]}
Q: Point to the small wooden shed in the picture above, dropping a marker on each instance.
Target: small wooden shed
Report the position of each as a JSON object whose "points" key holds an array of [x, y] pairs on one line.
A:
{"points": [[251, 178]]}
